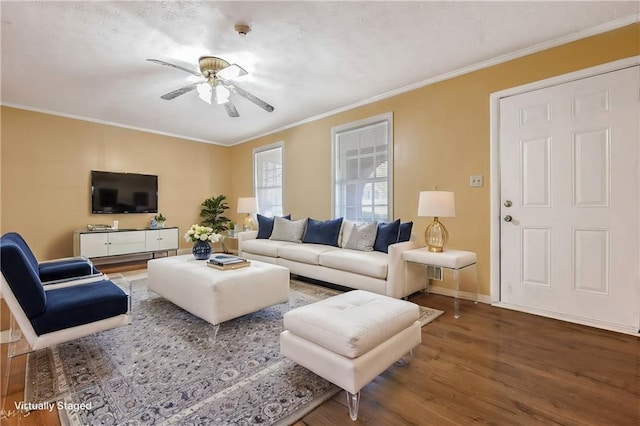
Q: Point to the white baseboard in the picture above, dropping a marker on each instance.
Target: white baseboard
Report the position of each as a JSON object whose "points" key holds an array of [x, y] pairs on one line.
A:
{"points": [[573, 319], [482, 298]]}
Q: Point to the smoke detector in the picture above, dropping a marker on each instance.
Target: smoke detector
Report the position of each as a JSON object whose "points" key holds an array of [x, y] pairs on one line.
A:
{"points": [[242, 29]]}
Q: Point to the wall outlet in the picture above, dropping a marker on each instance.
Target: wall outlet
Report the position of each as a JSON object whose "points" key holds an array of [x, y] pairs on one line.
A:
{"points": [[476, 181]]}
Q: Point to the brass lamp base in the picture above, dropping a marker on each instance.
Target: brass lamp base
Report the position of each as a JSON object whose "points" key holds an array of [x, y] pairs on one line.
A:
{"points": [[436, 236], [248, 224]]}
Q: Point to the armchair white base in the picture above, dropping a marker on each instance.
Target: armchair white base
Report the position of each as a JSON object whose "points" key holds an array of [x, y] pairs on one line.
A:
{"points": [[23, 338]]}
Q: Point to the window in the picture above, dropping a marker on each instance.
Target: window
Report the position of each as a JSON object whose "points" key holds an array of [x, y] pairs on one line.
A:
{"points": [[267, 178], [362, 169]]}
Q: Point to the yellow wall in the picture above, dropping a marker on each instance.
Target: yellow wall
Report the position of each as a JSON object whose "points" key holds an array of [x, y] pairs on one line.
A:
{"points": [[441, 137], [46, 164]]}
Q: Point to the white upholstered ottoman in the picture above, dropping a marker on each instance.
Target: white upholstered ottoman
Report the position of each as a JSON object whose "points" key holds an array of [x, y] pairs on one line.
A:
{"points": [[351, 338], [217, 296]]}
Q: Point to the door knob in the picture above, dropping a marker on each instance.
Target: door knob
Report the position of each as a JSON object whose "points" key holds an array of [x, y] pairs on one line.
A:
{"points": [[508, 203], [508, 218]]}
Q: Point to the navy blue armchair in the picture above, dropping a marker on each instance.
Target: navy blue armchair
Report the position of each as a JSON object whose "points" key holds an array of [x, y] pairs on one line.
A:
{"points": [[48, 315], [54, 270]]}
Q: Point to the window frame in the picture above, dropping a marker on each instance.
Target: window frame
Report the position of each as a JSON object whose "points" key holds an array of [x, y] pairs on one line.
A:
{"points": [[336, 131], [256, 152]]}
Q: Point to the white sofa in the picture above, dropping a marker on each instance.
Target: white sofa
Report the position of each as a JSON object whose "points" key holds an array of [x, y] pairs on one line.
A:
{"points": [[373, 271]]}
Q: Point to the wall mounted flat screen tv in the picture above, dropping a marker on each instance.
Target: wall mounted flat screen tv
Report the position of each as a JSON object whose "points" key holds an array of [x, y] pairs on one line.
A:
{"points": [[123, 193]]}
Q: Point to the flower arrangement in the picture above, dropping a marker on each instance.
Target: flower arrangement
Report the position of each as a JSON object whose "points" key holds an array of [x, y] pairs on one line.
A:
{"points": [[201, 233]]}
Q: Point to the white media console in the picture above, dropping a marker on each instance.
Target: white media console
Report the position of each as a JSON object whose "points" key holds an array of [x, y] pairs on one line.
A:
{"points": [[95, 244]]}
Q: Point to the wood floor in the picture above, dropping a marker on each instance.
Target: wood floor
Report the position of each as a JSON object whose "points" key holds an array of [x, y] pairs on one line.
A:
{"points": [[491, 366]]}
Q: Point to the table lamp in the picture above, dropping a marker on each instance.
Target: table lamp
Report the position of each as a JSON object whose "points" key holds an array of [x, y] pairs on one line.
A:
{"points": [[249, 206], [436, 204]]}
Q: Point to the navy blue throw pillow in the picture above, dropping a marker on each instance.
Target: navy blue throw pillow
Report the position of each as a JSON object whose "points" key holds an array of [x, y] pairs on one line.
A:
{"points": [[319, 232], [387, 235], [265, 226], [405, 232]]}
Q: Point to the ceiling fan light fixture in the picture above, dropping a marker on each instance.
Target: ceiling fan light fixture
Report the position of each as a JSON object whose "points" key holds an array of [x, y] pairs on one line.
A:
{"points": [[222, 94], [204, 92], [210, 65], [218, 84]]}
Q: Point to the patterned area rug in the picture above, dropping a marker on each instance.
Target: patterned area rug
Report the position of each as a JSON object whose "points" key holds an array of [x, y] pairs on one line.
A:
{"points": [[179, 376]]}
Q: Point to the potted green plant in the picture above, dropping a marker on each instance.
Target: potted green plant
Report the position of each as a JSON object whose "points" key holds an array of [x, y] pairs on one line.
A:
{"points": [[160, 219], [212, 211]]}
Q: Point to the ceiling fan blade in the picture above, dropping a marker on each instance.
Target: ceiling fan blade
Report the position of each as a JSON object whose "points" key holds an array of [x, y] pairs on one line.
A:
{"points": [[262, 104], [231, 72], [178, 67], [178, 92], [231, 109]]}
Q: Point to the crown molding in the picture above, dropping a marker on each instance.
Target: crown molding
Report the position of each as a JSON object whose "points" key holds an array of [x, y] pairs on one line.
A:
{"points": [[107, 123], [598, 29]]}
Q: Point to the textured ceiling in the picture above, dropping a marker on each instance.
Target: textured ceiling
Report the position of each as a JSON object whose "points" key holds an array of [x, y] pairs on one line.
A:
{"points": [[87, 59]]}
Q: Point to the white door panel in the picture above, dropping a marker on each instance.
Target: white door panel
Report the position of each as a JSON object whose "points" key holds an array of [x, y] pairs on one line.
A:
{"points": [[569, 164]]}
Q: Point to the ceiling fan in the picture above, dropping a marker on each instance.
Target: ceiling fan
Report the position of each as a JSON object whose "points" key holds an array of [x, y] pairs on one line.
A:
{"points": [[217, 85]]}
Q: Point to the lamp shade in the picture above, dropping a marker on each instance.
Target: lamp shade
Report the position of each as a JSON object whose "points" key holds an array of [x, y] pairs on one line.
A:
{"points": [[247, 205], [436, 204]]}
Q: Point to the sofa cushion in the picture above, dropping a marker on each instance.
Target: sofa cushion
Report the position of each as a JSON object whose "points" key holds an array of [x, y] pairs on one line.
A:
{"points": [[353, 323], [288, 230], [304, 253], [387, 234], [265, 226], [264, 247], [370, 263], [81, 304], [405, 232], [323, 232], [362, 237]]}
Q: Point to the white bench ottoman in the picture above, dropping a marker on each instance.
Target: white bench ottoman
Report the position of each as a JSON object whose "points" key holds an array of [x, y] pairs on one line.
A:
{"points": [[351, 338], [217, 296]]}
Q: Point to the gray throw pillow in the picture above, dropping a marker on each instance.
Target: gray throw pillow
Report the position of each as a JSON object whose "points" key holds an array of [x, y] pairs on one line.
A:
{"points": [[362, 237], [345, 231], [288, 230]]}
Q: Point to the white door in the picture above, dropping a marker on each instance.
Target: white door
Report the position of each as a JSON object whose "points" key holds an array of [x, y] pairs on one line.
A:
{"points": [[570, 186]]}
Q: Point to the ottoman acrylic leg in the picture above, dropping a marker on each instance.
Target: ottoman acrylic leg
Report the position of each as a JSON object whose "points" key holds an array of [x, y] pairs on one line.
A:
{"points": [[405, 360], [353, 400], [213, 332]]}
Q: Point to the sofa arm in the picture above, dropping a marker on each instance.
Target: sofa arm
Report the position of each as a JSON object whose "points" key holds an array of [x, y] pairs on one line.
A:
{"points": [[245, 236], [396, 283]]}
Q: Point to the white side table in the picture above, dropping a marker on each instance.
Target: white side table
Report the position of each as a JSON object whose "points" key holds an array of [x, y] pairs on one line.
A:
{"points": [[454, 260]]}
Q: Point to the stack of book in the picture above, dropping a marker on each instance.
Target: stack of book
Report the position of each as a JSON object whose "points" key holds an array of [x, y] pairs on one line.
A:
{"points": [[226, 262]]}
